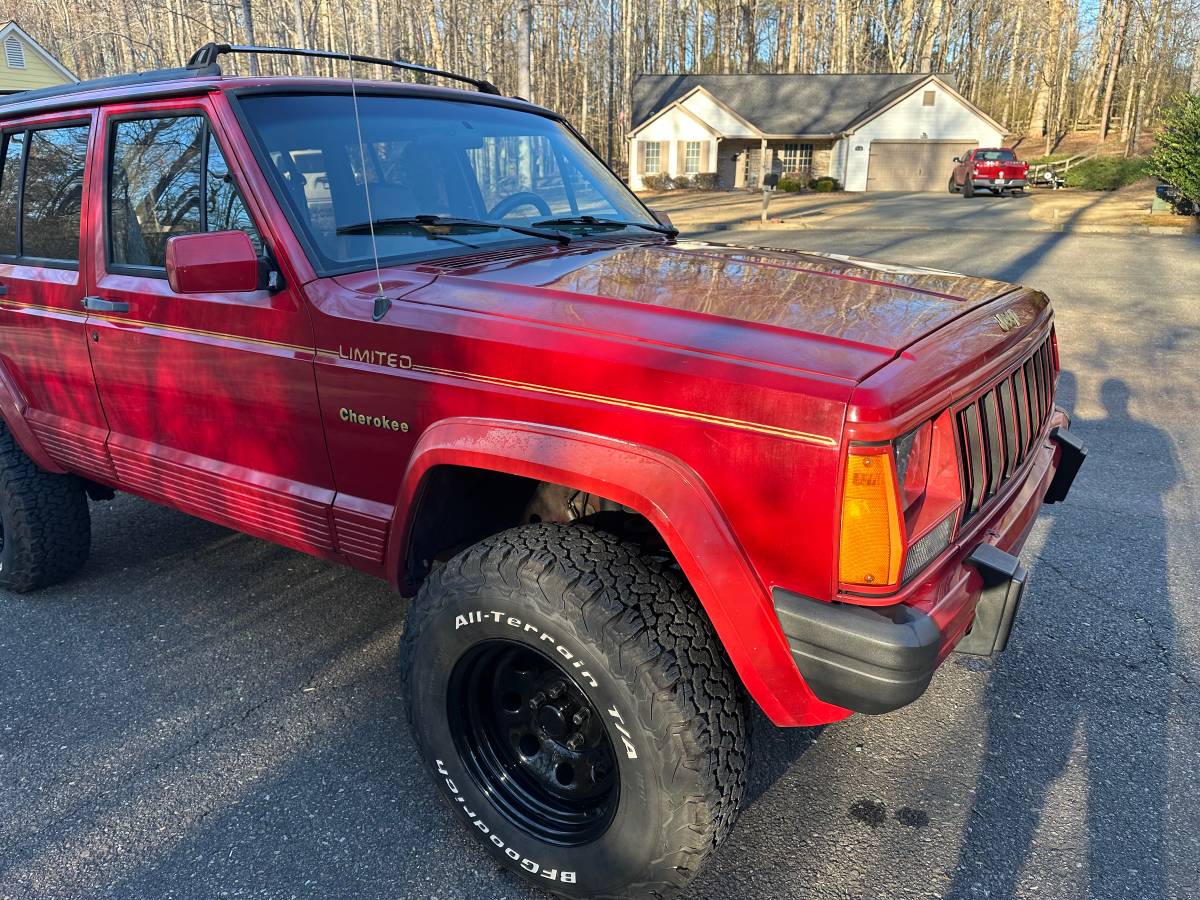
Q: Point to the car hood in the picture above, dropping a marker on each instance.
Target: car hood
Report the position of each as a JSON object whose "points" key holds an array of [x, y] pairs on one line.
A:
{"points": [[821, 313]]}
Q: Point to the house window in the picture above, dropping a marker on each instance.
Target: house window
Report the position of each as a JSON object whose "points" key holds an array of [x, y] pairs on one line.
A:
{"points": [[929, 99], [14, 53], [797, 157], [653, 158], [691, 158]]}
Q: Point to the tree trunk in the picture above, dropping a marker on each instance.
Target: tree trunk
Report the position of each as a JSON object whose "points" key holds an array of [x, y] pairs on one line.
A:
{"points": [[1111, 79], [248, 24], [1011, 78], [302, 39], [929, 32], [524, 33], [793, 63], [1194, 83], [1108, 25], [1041, 96]]}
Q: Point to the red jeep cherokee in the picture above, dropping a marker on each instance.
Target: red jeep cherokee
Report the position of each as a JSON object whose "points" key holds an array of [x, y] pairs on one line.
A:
{"points": [[634, 482]]}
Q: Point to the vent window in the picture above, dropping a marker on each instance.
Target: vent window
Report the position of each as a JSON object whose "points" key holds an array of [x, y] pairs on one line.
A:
{"points": [[929, 99], [14, 52]]}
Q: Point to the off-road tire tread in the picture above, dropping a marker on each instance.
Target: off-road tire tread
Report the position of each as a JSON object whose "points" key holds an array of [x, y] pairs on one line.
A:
{"points": [[48, 536], [668, 655]]}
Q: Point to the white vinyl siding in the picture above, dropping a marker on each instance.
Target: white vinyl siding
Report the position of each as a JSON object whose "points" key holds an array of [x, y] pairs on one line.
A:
{"points": [[949, 119]]}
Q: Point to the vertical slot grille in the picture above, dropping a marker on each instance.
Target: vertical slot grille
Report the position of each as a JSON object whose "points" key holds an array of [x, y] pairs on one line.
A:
{"points": [[1000, 428]]}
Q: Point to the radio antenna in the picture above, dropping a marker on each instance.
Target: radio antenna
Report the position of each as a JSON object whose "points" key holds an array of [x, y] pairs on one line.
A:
{"points": [[382, 303]]}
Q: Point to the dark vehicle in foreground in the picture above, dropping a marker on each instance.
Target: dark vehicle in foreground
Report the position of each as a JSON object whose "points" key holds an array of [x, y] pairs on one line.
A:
{"points": [[635, 483], [995, 169]]}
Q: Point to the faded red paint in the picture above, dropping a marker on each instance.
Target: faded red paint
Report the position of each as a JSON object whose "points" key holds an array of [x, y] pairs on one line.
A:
{"points": [[713, 389]]}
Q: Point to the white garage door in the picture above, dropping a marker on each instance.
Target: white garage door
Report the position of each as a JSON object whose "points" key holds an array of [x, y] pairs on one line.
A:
{"points": [[913, 165]]}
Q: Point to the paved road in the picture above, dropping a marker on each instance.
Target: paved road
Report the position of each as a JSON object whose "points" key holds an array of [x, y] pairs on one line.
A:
{"points": [[204, 715], [940, 212]]}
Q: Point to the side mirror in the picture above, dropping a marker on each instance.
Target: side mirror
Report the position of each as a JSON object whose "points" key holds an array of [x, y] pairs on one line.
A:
{"points": [[215, 262], [661, 218], [957, 159]]}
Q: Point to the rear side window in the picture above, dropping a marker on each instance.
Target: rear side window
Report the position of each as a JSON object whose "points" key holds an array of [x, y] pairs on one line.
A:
{"points": [[41, 197], [53, 196], [168, 177], [10, 192]]}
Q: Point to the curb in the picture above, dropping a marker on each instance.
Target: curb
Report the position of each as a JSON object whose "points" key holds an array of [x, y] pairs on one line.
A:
{"points": [[1184, 230]]}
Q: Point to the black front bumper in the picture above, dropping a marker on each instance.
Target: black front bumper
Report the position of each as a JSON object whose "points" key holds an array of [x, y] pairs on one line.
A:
{"points": [[877, 659], [868, 659]]}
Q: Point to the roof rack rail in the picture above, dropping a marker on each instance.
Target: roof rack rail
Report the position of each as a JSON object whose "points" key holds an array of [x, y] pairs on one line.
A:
{"points": [[206, 60]]}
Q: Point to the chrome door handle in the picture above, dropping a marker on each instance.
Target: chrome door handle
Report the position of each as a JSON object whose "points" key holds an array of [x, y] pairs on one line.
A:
{"points": [[99, 304]]}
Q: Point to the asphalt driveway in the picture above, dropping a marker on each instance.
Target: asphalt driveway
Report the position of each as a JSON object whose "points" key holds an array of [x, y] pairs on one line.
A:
{"points": [[205, 715], [939, 212]]}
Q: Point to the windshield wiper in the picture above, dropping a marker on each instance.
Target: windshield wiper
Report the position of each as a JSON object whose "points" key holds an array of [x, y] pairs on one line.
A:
{"points": [[427, 222], [593, 222]]}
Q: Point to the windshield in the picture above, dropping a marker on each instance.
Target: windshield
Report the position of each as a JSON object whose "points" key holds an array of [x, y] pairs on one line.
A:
{"points": [[438, 158], [995, 155]]}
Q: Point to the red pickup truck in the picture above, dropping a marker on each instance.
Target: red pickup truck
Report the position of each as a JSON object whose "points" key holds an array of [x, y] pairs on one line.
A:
{"points": [[994, 169], [635, 483]]}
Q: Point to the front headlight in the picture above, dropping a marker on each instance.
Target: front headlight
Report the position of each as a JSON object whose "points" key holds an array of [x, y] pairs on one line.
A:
{"points": [[900, 503]]}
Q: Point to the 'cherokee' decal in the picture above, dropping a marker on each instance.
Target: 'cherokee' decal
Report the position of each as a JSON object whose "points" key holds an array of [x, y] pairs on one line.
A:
{"points": [[384, 422]]}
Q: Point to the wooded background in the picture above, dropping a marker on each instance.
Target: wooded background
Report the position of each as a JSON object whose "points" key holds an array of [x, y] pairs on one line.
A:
{"points": [[1042, 67]]}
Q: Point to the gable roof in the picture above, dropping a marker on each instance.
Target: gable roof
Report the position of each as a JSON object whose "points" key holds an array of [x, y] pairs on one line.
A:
{"points": [[12, 27], [783, 104]]}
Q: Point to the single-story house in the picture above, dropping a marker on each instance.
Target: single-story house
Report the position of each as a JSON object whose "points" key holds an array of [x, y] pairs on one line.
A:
{"points": [[27, 64], [880, 132]]}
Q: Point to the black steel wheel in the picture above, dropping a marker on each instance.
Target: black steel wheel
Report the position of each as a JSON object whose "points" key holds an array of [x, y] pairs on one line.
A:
{"points": [[576, 711], [533, 742]]}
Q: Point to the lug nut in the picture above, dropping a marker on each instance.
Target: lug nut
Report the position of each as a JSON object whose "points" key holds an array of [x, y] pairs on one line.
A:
{"points": [[574, 742], [580, 717], [537, 700], [555, 690]]}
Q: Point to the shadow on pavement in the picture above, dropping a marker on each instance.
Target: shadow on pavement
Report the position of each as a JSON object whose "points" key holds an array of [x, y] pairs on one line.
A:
{"points": [[1046, 724]]}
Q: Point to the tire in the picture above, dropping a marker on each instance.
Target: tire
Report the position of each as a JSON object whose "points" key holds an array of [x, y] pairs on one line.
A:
{"points": [[44, 522], [523, 632], [968, 188], [953, 186]]}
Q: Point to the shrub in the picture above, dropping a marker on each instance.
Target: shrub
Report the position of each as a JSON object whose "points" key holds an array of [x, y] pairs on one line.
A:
{"points": [[659, 182], [825, 184], [706, 181], [682, 182], [1105, 173], [1176, 155], [791, 185]]}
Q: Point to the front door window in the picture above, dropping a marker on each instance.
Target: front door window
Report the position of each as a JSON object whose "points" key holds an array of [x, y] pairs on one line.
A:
{"points": [[168, 177]]}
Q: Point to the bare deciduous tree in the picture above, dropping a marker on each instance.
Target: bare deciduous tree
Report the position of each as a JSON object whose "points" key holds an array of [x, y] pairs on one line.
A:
{"points": [[1050, 65]]}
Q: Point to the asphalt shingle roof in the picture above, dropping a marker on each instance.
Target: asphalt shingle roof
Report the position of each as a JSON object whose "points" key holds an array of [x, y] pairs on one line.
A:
{"points": [[780, 104]]}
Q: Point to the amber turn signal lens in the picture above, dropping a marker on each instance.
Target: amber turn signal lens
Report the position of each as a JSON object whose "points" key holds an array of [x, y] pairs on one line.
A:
{"points": [[870, 540]]}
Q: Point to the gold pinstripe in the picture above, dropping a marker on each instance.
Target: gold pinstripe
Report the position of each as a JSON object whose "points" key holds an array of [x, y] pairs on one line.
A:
{"points": [[806, 437], [740, 424], [17, 304]]}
